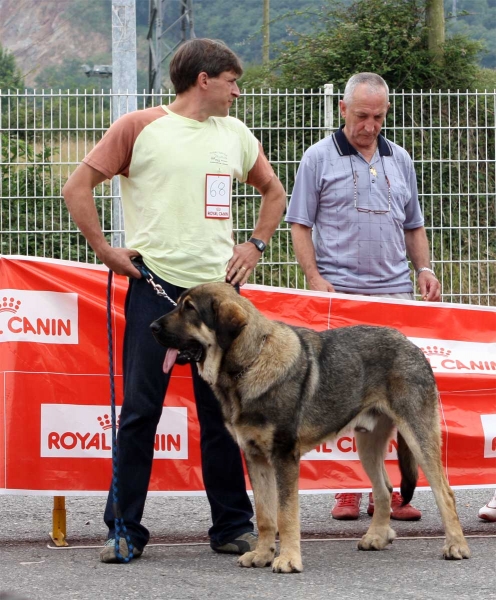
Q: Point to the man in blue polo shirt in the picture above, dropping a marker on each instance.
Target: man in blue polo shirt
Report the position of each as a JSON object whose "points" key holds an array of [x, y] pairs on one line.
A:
{"points": [[355, 218]]}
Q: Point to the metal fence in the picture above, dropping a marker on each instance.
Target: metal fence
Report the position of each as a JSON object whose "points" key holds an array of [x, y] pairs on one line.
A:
{"points": [[450, 136]]}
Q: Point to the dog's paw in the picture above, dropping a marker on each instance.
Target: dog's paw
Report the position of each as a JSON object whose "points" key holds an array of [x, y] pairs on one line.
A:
{"points": [[376, 541], [256, 559], [456, 551], [287, 564]]}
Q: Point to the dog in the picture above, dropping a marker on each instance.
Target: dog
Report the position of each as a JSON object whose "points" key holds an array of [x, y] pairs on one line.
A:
{"points": [[284, 390]]}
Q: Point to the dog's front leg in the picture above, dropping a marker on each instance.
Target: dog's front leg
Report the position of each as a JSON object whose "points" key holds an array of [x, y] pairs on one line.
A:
{"points": [[287, 470], [263, 483]]}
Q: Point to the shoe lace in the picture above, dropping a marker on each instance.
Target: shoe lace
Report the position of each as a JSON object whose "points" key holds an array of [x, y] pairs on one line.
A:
{"points": [[347, 499], [396, 498]]}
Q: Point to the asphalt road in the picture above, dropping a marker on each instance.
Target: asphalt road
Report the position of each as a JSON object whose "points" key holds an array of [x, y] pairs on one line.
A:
{"points": [[178, 564]]}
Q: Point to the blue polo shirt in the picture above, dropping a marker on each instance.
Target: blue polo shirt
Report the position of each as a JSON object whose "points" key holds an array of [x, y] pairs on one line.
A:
{"points": [[359, 212]]}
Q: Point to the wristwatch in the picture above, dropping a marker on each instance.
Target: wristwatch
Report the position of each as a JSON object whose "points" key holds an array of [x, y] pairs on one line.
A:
{"points": [[258, 243], [425, 269]]}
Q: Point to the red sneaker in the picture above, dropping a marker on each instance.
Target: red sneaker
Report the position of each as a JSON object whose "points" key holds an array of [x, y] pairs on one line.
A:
{"points": [[347, 507], [370, 507], [398, 512]]}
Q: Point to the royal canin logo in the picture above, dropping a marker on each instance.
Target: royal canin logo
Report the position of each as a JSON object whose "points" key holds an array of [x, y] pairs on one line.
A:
{"points": [[449, 356], [36, 316], [9, 305], [81, 431], [344, 448]]}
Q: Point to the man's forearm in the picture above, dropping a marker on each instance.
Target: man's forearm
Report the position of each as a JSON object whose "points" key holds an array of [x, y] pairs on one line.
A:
{"points": [[304, 250], [271, 210], [78, 196], [84, 214], [417, 247]]}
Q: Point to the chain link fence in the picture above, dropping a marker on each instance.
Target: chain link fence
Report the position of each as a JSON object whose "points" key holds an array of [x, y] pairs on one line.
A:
{"points": [[450, 136]]}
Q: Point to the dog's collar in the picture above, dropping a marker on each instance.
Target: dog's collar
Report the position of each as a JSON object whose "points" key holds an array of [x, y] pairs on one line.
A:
{"points": [[246, 369]]}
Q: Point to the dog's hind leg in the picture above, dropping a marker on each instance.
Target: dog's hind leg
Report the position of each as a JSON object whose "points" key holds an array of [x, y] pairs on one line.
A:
{"points": [[263, 482], [371, 448], [427, 451], [455, 547]]}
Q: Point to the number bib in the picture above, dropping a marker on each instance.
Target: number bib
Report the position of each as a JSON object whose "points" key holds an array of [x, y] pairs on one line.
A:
{"points": [[217, 196]]}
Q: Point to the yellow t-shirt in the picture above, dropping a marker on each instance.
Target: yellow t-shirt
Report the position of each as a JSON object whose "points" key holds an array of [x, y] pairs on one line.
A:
{"points": [[164, 159]]}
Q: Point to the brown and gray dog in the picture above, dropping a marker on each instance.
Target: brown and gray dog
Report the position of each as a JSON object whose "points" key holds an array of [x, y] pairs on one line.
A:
{"points": [[284, 390]]}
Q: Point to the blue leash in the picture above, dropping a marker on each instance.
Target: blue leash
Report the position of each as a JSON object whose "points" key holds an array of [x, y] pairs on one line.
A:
{"points": [[120, 530]]}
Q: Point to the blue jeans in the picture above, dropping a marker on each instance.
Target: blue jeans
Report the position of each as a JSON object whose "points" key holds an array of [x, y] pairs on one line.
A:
{"points": [[145, 386]]}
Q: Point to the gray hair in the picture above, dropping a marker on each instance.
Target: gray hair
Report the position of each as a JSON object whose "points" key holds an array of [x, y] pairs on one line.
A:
{"points": [[375, 82]]}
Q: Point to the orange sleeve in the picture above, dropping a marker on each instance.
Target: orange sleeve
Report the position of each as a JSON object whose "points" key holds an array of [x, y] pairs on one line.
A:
{"points": [[112, 155], [262, 170]]}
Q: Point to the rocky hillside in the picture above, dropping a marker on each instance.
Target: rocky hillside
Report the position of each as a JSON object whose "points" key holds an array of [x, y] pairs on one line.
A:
{"points": [[40, 34]]}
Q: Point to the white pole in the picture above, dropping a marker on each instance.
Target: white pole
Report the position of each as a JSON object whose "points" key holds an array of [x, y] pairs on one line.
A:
{"points": [[124, 88], [328, 108]]}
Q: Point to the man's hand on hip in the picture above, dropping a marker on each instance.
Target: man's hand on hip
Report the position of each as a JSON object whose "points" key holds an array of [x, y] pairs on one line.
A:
{"points": [[244, 259]]}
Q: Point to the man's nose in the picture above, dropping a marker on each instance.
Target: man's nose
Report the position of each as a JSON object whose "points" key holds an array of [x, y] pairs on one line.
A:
{"points": [[235, 91], [370, 126]]}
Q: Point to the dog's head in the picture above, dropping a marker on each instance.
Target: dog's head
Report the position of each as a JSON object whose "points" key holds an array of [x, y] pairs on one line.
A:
{"points": [[206, 315]]}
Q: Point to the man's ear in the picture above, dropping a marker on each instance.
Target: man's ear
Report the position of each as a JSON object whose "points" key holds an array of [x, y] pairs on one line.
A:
{"points": [[230, 318], [202, 79]]}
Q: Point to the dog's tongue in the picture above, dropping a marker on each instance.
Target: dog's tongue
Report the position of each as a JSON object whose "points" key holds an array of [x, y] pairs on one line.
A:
{"points": [[170, 359]]}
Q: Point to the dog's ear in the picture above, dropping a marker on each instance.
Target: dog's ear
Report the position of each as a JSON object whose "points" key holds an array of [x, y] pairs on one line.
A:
{"points": [[230, 318]]}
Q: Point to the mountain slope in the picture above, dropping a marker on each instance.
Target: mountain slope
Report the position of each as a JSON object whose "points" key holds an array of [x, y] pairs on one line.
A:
{"points": [[42, 34]]}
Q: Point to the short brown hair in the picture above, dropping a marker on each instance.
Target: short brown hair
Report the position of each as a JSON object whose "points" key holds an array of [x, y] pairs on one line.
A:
{"points": [[201, 55]]}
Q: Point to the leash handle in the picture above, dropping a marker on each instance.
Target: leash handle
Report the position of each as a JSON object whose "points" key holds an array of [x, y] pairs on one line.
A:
{"points": [[140, 265]]}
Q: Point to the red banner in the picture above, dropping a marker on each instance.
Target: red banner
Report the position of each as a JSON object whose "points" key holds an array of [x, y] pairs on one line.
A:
{"points": [[55, 435]]}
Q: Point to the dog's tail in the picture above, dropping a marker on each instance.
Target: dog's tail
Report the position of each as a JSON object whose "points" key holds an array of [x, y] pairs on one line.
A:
{"points": [[408, 468]]}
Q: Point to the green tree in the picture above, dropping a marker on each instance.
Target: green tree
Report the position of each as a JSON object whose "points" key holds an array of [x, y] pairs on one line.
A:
{"points": [[389, 37], [10, 76]]}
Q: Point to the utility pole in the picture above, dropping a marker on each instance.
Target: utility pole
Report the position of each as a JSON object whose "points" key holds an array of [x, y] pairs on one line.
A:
{"points": [[124, 89], [266, 32], [166, 31], [434, 19]]}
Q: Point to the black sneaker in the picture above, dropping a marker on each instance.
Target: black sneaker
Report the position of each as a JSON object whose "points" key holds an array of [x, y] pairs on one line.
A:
{"points": [[246, 542]]}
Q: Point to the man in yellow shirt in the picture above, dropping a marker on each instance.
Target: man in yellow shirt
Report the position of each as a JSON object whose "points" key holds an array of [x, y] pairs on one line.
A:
{"points": [[177, 163]]}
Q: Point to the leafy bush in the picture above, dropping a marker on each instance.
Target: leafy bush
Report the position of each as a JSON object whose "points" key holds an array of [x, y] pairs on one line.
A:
{"points": [[388, 37]]}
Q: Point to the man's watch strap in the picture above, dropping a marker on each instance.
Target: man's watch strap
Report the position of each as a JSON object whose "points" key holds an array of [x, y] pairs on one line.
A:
{"points": [[424, 269], [260, 244]]}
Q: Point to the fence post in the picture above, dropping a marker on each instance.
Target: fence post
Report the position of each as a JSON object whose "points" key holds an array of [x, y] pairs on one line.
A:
{"points": [[328, 108]]}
